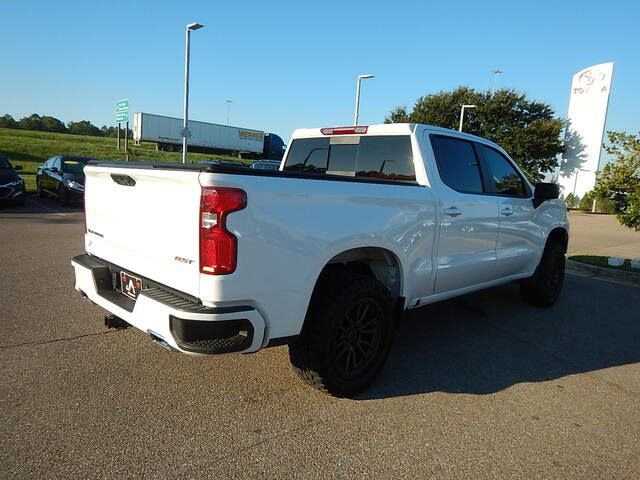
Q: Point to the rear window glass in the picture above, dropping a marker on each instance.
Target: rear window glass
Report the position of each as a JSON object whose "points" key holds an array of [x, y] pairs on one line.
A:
{"points": [[381, 157], [74, 165]]}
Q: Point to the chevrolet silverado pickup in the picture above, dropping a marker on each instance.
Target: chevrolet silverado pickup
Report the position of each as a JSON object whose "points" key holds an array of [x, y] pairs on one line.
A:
{"points": [[359, 224]]}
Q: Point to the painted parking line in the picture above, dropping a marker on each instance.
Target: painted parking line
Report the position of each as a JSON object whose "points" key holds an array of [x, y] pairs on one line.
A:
{"points": [[49, 209]]}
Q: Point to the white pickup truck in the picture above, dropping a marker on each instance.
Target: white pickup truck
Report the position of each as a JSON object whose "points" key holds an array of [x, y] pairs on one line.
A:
{"points": [[360, 224]]}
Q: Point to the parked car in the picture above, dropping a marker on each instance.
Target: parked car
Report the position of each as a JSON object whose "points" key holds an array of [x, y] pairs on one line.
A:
{"points": [[620, 199], [266, 165], [62, 177], [11, 184], [361, 224]]}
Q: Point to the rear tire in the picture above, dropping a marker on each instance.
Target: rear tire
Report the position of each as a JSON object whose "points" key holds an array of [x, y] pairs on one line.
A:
{"points": [[63, 196], [544, 287], [347, 334]]}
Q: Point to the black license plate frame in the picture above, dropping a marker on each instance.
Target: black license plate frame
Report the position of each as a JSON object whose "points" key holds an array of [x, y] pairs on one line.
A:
{"points": [[130, 285]]}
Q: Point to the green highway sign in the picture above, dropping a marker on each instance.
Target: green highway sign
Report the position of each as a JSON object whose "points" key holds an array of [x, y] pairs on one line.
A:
{"points": [[122, 111]]}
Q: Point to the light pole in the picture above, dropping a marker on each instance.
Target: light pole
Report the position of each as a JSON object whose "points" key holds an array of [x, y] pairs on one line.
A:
{"points": [[360, 78], [228, 102], [496, 72], [462, 114], [185, 129]]}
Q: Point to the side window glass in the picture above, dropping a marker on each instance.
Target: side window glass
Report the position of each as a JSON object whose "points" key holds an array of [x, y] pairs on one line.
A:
{"points": [[457, 164], [504, 179], [57, 163]]}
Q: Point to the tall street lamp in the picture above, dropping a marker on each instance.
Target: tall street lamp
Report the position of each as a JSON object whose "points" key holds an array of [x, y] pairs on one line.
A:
{"points": [[462, 114], [185, 130], [360, 78], [496, 72], [228, 102]]}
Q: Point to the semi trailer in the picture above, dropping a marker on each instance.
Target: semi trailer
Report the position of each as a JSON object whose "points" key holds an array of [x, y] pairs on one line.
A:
{"points": [[166, 133]]}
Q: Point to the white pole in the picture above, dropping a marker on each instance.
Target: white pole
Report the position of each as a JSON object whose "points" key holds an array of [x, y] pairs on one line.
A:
{"points": [[229, 102], [185, 118], [357, 113], [462, 115], [496, 72]]}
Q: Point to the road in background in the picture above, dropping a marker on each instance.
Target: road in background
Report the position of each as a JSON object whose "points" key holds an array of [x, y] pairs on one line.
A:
{"points": [[476, 387], [596, 234]]}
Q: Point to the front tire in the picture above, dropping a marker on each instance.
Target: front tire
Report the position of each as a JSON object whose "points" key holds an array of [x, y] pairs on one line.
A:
{"points": [[544, 287], [347, 334], [39, 191]]}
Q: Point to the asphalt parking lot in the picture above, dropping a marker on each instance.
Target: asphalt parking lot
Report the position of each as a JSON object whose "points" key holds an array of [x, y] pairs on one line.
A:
{"points": [[477, 387]]}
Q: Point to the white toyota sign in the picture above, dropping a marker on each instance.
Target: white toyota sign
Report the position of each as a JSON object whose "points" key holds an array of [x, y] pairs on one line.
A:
{"points": [[587, 115]]}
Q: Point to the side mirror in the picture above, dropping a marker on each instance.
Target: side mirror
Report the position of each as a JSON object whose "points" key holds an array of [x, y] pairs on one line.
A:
{"points": [[545, 191], [17, 167], [54, 170]]}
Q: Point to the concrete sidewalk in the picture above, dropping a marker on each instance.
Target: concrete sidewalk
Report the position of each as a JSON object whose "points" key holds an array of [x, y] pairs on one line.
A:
{"points": [[601, 235]]}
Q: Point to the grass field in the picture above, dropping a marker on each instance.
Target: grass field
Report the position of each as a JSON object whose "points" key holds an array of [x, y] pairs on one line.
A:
{"points": [[31, 148]]}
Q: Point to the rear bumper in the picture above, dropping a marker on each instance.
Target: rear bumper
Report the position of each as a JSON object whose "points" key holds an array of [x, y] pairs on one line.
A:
{"points": [[170, 317]]}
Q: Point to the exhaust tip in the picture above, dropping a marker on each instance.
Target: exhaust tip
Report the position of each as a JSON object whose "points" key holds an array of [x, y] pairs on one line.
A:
{"points": [[161, 341]]}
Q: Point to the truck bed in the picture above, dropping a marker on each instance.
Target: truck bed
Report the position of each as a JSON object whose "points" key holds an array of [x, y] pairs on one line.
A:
{"points": [[241, 170]]}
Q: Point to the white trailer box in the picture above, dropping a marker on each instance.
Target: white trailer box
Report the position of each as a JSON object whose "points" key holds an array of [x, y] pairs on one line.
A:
{"points": [[166, 132]]}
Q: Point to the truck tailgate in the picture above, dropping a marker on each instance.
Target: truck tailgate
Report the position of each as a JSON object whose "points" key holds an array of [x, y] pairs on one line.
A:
{"points": [[146, 221]]}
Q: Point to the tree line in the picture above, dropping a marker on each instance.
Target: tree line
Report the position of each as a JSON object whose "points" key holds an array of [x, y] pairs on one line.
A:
{"points": [[527, 129], [46, 123]]}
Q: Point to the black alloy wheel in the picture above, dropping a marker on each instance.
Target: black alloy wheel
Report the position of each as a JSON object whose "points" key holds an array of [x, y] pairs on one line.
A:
{"points": [[358, 338]]}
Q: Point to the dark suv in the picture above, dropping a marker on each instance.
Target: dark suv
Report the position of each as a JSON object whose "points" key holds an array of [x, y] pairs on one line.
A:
{"points": [[63, 177], [11, 185]]}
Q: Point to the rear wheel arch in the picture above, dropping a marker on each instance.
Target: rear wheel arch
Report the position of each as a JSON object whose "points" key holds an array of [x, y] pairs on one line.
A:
{"points": [[376, 262]]}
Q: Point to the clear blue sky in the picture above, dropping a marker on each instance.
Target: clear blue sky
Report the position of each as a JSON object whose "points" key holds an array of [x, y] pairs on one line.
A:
{"points": [[294, 64]]}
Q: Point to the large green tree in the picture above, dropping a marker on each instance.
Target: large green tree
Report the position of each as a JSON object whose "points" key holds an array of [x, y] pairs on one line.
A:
{"points": [[52, 124], [7, 121], [527, 129], [84, 127], [622, 175]]}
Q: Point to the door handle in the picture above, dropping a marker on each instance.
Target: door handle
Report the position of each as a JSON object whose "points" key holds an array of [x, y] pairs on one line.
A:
{"points": [[507, 211], [452, 211]]}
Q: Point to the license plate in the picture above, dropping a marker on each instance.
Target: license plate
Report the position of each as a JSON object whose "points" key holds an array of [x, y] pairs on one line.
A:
{"points": [[130, 285]]}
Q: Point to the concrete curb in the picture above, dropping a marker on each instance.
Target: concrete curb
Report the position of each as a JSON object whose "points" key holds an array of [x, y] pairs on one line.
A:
{"points": [[603, 273]]}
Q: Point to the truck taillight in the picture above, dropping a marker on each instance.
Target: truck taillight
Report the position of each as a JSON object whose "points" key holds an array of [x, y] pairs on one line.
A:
{"points": [[218, 246]]}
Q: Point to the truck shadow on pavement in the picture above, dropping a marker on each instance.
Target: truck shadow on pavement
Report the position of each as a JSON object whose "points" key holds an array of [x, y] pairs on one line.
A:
{"points": [[48, 208], [488, 341]]}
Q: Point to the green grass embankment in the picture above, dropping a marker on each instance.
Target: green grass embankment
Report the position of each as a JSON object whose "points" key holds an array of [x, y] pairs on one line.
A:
{"points": [[31, 148]]}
